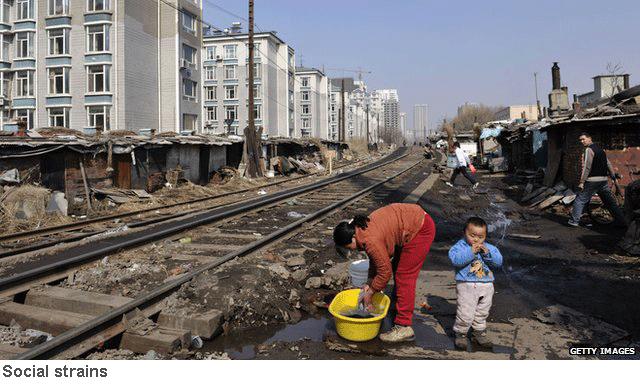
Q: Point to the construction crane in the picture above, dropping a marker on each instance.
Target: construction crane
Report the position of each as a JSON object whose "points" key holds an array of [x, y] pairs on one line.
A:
{"points": [[359, 71]]}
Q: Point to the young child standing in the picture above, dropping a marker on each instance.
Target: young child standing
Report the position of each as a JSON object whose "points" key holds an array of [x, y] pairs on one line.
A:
{"points": [[472, 258]]}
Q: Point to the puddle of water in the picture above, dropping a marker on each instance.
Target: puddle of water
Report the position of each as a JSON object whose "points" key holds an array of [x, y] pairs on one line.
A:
{"points": [[243, 345]]}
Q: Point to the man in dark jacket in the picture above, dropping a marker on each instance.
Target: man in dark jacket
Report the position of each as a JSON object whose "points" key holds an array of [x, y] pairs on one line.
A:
{"points": [[596, 170]]}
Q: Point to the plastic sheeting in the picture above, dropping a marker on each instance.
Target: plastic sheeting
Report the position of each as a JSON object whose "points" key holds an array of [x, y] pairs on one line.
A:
{"points": [[491, 132]]}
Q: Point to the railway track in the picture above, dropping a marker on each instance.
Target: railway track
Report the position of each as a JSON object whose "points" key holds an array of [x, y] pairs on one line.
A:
{"points": [[37, 239], [83, 321]]}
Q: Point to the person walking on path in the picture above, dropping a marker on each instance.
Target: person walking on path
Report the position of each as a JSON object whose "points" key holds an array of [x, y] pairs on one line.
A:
{"points": [[462, 161], [404, 232], [596, 170]]}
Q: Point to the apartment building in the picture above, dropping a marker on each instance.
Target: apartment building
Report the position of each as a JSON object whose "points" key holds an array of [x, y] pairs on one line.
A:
{"points": [[225, 84], [360, 111], [509, 113], [312, 108], [110, 64], [387, 102], [420, 122]]}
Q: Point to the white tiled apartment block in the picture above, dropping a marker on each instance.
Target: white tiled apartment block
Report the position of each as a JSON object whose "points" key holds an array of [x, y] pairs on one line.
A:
{"points": [[358, 102], [225, 84], [115, 64], [312, 109]]}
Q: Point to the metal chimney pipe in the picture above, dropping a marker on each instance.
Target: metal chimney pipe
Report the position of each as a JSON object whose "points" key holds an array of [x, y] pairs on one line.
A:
{"points": [[555, 76], [625, 81]]}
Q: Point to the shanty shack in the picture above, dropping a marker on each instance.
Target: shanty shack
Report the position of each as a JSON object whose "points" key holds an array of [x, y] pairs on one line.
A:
{"points": [[618, 136]]}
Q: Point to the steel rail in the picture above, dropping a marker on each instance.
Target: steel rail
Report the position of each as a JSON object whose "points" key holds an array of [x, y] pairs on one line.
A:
{"points": [[54, 346], [205, 218]]}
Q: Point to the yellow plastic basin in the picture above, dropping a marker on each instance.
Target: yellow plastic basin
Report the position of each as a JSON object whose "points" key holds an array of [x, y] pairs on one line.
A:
{"points": [[357, 329]]}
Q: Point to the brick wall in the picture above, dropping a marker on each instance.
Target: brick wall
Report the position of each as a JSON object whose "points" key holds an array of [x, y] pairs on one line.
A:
{"points": [[620, 142]]}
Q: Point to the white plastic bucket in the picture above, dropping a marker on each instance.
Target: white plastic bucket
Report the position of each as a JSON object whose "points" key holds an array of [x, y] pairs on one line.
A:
{"points": [[359, 272]]}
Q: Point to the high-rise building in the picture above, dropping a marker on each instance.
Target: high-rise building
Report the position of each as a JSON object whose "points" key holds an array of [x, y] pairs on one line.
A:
{"points": [[312, 109], [403, 125], [389, 105], [109, 64], [420, 122], [225, 85]]}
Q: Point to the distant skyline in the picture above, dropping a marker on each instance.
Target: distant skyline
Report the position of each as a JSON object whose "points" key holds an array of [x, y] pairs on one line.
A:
{"points": [[447, 53]]}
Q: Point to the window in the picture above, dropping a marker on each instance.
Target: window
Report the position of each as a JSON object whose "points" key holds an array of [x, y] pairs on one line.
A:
{"points": [[25, 9], [212, 113], [305, 81], [256, 50], [58, 7], [231, 113], [230, 52], [189, 122], [189, 55], [257, 71], [59, 41], [210, 73], [210, 92], [230, 92], [211, 53], [188, 22], [98, 5], [99, 116], [6, 44], [6, 12], [24, 83], [256, 91], [59, 80], [230, 72], [305, 95], [189, 89], [25, 115], [305, 109], [58, 116], [24, 45], [306, 123], [257, 112], [98, 38], [98, 78]]}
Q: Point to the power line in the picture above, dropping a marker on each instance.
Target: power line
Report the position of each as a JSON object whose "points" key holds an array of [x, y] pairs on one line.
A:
{"points": [[219, 30]]}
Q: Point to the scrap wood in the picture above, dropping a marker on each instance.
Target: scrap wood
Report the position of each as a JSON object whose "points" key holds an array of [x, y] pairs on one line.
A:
{"points": [[534, 193], [550, 201], [523, 236]]}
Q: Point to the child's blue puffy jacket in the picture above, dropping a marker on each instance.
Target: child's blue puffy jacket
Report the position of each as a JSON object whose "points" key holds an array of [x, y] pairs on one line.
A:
{"points": [[474, 268]]}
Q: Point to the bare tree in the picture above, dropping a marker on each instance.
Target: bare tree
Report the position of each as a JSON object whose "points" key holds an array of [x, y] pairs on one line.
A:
{"points": [[615, 75], [472, 116]]}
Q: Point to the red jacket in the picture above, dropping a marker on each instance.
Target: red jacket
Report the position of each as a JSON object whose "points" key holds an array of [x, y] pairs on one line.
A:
{"points": [[390, 226]]}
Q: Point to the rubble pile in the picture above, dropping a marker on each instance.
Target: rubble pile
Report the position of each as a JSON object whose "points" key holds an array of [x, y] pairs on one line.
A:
{"points": [[14, 335], [30, 206]]}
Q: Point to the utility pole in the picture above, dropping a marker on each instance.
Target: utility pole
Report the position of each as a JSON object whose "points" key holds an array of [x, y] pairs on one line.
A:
{"points": [[367, 125], [252, 146], [378, 128], [343, 130], [535, 79]]}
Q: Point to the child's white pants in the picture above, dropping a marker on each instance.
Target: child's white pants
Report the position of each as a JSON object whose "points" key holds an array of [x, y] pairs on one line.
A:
{"points": [[474, 303]]}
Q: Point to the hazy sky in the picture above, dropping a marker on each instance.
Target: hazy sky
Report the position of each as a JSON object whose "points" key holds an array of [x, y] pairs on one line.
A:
{"points": [[445, 53]]}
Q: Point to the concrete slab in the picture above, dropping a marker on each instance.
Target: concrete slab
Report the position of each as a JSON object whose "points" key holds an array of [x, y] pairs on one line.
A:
{"points": [[421, 189], [205, 325], [74, 300], [52, 321], [161, 340]]}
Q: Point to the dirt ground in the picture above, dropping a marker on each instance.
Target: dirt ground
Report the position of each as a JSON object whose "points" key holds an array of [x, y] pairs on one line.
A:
{"points": [[576, 267]]}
